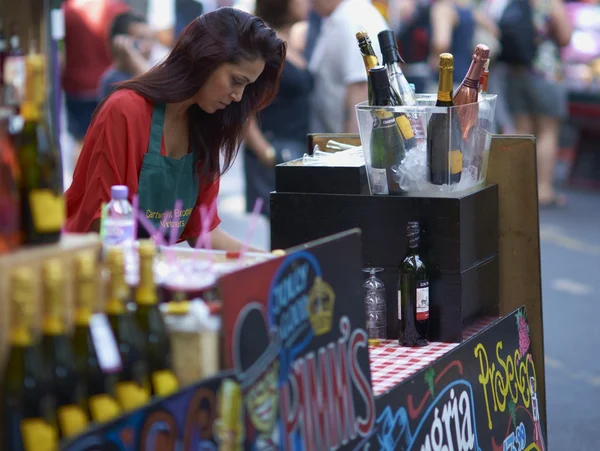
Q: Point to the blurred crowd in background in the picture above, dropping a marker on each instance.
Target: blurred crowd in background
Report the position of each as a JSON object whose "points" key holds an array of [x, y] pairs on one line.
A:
{"points": [[108, 41]]}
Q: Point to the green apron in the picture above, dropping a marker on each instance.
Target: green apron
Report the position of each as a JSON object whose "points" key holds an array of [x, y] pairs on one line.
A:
{"points": [[164, 180]]}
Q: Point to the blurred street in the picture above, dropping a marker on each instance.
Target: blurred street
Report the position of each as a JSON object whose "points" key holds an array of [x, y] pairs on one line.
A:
{"points": [[570, 240]]}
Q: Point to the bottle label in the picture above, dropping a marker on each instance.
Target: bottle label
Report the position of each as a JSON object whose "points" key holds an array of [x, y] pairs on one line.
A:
{"points": [[422, 300], [47, 210], [14, 79], [399, 304], [103, 408], [164, 382], [105, 344], [456, 161], [131, 395], [379, 184], [405, 126], [383, 119], [117, 231], [72, 420], [38, 435]]}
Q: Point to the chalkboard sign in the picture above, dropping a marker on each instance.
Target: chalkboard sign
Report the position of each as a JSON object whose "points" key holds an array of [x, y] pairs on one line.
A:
{"points": [[481, 396], [299, 348]]}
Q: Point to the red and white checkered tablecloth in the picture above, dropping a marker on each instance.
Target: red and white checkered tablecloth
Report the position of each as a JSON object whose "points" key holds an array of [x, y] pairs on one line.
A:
{"points": [[392, 363]]}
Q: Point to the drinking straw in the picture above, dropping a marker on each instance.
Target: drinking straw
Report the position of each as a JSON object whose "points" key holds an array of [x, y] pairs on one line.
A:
{"points": [[103, 211], [252, 226], [147, 224], [206, 217], [173, 232], [136, 203]]}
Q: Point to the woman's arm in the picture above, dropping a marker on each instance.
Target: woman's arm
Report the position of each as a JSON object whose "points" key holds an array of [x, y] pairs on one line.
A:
{"points": [[221, 240], [561, 27], [258, 144], [443, 21]]}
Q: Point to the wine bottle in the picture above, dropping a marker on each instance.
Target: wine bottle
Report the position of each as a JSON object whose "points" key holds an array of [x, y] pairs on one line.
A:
{"points": [[391, 60], [413, 293], [469, 88], [58, 354], [27, 401], [133, 386], [98, 363], [484, 77], [368, 54], [386, 145], [43, 208], [10, 204], [152, 325], [443, 131], [371, 60]]}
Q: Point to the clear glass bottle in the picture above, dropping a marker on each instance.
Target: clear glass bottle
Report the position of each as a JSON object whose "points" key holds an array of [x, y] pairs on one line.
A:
{"points": [[375, 306]]}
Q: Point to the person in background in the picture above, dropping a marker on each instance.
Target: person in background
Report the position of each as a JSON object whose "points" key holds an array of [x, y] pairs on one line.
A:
{"points": [[87, 58], [337, 65], [536, 97], [171, 132], [278, 134], [131, 41], [453, 25]]}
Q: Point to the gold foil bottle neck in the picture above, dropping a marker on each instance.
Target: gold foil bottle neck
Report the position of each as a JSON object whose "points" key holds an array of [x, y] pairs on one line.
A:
{"points": [[362, 35], [446, 61], [147, 249], [85, 266], [53, 273], [21, 286]]}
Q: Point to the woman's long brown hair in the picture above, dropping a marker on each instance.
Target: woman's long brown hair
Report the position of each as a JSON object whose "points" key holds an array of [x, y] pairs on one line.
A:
{"points": [[226, 35]]}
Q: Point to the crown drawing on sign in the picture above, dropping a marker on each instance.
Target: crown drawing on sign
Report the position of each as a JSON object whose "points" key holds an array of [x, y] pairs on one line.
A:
{"points": [[321, 299]]}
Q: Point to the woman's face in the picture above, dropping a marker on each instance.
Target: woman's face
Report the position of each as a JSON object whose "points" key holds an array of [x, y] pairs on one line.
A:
{"points": [[298, 10], [227, 84]]}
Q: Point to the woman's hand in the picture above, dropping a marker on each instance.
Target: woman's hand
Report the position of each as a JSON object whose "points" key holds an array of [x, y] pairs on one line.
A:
{"points": [[267, 157]]}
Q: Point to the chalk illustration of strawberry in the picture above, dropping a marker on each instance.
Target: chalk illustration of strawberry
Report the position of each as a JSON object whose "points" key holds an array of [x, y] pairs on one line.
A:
{"points": [[430, 380], [524, 340], [512, 411]]}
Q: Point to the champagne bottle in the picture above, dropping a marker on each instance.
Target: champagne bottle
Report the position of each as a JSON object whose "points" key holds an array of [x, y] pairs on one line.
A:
{"points": [[29, 422], [443, 132], [484, 77], [43, 208], [151, 323], [386, 145], [391, 60], [369, 57], [56, 345], [99, 382], [371, 60], [468, 89], [133, 387], [413, 293], [10, 204]]}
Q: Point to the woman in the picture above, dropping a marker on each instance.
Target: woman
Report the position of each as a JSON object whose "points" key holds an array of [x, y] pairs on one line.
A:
{"points": [[536, 97], [279, 132], [163, 132]]}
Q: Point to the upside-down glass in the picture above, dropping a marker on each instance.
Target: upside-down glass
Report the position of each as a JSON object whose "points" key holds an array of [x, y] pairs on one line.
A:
{"points": [[375, 306]]}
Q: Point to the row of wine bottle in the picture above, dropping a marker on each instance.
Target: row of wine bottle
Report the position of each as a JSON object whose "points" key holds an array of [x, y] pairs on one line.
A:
{"points": [[113, 362], [393, 134], [32, 209]]}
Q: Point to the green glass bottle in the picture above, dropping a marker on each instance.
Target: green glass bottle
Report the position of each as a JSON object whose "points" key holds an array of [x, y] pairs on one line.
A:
{"points": [[133, 387], [58, 354], [99, 382], [28, 415], [386, 145], [152, 325], [42, 202], [443, 131], [413, 293]]}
